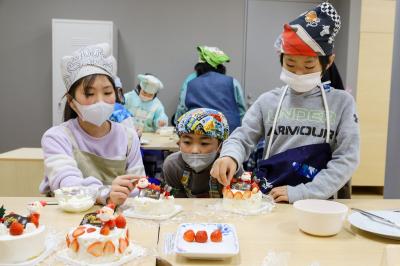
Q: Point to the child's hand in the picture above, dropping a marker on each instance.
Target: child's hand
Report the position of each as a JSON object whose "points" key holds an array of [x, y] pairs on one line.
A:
{"points": [[279, 194], [139, 132], [161, 123], [121, 187], [223, 170]]}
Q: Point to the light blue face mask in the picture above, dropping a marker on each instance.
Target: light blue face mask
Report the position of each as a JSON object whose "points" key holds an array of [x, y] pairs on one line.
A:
{"points": [[198, 161]]}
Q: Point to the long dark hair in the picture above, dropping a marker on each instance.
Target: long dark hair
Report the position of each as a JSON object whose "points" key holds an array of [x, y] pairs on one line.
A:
{"points": [[204, 67], [86, 82]]}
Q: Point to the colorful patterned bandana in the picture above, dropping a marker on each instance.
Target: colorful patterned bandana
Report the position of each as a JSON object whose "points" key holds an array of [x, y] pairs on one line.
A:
{"points": [[212, 55], [312, 33], [203, 121]]}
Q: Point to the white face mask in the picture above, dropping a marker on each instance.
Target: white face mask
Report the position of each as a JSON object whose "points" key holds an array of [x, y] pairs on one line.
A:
{"points": [[95, 114], [145, 98], [199, 162], [301, 83]]}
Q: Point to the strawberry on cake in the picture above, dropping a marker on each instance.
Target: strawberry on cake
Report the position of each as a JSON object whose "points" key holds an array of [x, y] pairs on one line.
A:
{"points": [[242, 194], [21, 233], [100, 238]]}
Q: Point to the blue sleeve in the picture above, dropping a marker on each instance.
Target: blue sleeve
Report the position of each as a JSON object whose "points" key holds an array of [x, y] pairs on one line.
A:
{"points": [[159, 115], [239, 97], [181, 109]]}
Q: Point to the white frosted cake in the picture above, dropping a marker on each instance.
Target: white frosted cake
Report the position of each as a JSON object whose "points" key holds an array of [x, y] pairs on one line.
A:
{"points": [[152, 199], [21, 238], [100, 238], [242, 195]]}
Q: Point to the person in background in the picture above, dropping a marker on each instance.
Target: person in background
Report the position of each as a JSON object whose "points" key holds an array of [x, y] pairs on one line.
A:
{"points": [[121, 114], [201, 133], [210, 87], [88, 149], [310, 129], [148, 111]]}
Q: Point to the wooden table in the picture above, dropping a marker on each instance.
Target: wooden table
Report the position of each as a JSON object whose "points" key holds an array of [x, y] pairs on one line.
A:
{"points": [[278, 232], [54, 218], [158, 142]]}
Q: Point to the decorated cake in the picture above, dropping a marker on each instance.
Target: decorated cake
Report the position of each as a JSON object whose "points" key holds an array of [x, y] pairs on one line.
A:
{"points": [[101, 237], [242, 194], [154, 198], [21, 237]]}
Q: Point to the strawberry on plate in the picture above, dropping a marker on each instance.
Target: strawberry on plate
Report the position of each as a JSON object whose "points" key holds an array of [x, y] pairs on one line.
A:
{"points": [[189, 235], [201, 236], [216, 236]]}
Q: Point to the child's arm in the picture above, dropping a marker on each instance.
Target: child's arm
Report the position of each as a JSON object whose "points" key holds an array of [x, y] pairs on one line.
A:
{"points": [[345, 160], [160, 118], [240, 144], [239, 98], [122, 186], [60, 167]]}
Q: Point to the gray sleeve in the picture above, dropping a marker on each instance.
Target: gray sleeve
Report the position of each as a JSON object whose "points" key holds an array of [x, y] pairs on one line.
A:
{"points": [[172, 173], [345, 160], [241, 142]]}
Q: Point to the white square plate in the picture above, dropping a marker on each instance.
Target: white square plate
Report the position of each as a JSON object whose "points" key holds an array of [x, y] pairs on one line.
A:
{"points": [[228, 247]]}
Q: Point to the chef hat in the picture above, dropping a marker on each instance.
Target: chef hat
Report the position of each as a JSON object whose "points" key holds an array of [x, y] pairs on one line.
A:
{"points": [[92, 59]]}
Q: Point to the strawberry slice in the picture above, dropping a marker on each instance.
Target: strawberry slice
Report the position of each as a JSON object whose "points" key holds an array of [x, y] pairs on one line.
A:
{"points": [[229, 194], [75, 245], [238, 195], [67, 240], [247, 194], [189, 235], [96, 249], [216, 235], [91, 230], [78, 232], [123, 244], [127, 234], [109, 248]]}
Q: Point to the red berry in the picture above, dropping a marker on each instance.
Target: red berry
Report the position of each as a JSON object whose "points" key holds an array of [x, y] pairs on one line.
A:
{"points": [[16, 229], [216, 236], [91, 229], [189, 235], [201, 236], [120, 221], [105, 230]]}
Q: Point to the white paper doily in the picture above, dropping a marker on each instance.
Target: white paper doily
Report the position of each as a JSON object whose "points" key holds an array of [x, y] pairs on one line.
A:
{"points": [[51, 242], [133, 214], [134, 252]]}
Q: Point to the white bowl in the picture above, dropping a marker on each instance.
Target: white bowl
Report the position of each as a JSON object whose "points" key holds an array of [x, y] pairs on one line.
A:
{"points": [[320, 217], [76, 199]]}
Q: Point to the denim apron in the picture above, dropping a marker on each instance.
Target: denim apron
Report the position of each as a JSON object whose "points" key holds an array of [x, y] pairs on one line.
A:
{"points": [[294, 166], [106, 170]]}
